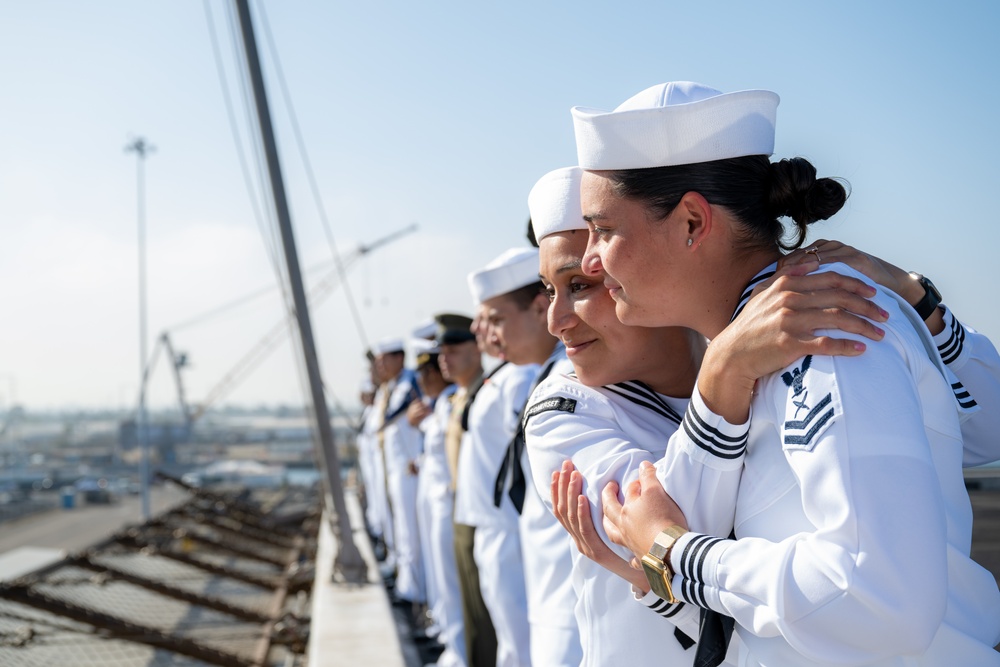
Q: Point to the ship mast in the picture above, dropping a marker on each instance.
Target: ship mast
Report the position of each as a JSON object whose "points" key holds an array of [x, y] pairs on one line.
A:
{"points": [[348, 562]]}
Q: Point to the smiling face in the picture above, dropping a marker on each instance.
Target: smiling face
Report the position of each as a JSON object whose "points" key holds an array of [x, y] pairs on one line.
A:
{"points": [[633, 252], [519, 332], [582, 315]]}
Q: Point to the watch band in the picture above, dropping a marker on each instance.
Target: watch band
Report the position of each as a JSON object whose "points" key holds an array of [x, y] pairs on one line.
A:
{"points": [[664, 542], [931, 299]]}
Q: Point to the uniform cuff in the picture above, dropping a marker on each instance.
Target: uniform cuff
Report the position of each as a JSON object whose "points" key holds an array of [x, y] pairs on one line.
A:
{"points": [[951, 341], [683, 616], [694, 559], [712, 438], [658, 604]]}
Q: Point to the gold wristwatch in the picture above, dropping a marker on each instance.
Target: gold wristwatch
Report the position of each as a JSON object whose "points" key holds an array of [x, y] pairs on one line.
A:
{"points": [[656, 563]]}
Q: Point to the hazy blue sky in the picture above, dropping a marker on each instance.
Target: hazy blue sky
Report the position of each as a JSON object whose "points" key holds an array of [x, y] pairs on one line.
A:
{"points": [[440, 113]]}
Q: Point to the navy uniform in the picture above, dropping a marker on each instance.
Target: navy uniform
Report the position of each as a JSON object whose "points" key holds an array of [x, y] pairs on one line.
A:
{"points": [[378, 492], [402, 445], [607, 432], [371, 476], [442, 573], [493, 422], [548, 558], [497, 550], [871, 566]]}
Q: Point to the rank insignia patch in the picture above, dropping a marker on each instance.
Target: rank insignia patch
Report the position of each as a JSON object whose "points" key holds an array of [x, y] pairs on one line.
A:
{"points": [[811, 404]]}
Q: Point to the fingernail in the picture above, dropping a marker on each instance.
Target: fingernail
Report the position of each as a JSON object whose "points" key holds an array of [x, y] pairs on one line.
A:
{"points": [[860, 347], [883, 313], [881, 332]]}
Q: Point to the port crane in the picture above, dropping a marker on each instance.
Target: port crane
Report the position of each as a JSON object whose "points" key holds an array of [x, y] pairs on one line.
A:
{"points": [[245, 366]]}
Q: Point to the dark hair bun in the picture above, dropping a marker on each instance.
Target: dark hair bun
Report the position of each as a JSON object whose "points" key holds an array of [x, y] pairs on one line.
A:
{"points": [[798, 194]]}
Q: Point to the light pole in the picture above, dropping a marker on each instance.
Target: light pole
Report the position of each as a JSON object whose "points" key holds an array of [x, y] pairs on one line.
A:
{"points": [[141, 149]]}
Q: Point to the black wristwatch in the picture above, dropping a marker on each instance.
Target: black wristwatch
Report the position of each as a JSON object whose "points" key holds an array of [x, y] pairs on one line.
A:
{"points": [[932, 297]]}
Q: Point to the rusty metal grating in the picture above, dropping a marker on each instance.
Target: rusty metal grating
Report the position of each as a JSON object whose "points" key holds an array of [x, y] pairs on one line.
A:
{"points": [[221, 580]]}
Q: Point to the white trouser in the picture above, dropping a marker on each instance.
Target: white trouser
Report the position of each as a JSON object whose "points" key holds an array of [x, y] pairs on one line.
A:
{"points": [[428, 555], [497, 551], [409, 566], [442, 570], [378, 503]]}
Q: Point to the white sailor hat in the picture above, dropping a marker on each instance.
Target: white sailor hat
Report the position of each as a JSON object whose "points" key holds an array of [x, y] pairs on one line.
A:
{"points": [[388, 345], [676, 123], [426, 329], [424, 350], [554, 203], [513, 269]]}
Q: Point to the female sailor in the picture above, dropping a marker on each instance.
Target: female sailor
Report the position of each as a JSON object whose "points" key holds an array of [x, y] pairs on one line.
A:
{"points": [[630, 388], [852, 522]]}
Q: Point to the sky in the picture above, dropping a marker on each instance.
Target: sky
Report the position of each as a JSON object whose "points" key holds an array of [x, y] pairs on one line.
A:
{"points": [[442, 114]]}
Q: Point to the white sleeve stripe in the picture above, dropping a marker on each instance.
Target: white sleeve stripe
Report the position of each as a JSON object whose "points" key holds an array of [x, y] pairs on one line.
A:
{"points": [[711, 439], [952, 348], [694, 593], [665, 609], [699, 572], [963, 396], [671, 610], [692, 568], [692, 558]]}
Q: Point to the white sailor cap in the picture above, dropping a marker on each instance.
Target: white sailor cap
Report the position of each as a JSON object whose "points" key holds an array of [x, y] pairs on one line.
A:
{"points": [[426, 329], [676, 123], [554, 203], [513, 269], [387, 345], [423, 350]]}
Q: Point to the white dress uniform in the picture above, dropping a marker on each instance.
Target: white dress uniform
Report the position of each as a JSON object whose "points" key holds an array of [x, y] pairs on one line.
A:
{"points": [[378, 495], [548, 562], [853, 520], [366, 467], [403, 444], [493, 420], [607, 432], [443, 594]]}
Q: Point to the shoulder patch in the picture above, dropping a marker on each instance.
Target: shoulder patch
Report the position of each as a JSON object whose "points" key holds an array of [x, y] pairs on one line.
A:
{"points": [[559, 403], [812, 402]]}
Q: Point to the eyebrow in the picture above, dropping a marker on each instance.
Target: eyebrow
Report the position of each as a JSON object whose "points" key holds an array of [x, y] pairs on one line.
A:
{"points": [[571, 266], [575, 265], [594, 216]]}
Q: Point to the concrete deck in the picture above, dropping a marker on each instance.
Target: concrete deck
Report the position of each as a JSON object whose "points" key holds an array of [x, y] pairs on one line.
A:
{"points": [[351, 624]]}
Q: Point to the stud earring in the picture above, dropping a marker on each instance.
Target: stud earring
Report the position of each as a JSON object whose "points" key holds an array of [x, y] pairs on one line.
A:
{"points": [[690, 242]]}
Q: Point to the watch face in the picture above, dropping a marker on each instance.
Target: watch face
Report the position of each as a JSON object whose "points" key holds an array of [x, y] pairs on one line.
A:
{"points": [[930, 287], [656, 576]]}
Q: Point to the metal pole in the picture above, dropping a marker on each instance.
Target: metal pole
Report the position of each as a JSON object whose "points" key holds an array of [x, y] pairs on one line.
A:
{"points": [[348, 561], [141, 148]]}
